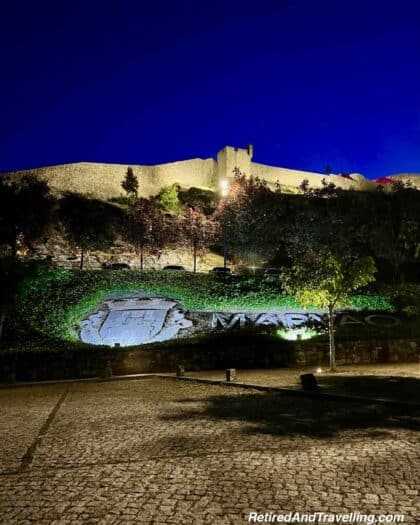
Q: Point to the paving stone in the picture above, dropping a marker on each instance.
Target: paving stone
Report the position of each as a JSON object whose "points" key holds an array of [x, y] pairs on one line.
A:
{"points": [[156, 451]]}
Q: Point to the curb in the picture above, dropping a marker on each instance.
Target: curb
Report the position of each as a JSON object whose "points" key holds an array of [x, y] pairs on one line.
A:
{"points": [[249, 386], [127, 377], [300, 393]]}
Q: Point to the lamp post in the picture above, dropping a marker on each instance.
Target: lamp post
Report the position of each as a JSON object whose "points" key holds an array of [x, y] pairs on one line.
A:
{"points": [[224, 191]]}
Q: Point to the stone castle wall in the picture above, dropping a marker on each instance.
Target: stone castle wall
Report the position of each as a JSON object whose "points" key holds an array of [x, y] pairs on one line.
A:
{"points": [[293, 178], [103, 181]]}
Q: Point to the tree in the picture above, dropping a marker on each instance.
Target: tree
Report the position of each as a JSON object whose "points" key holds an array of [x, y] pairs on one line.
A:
{"points": [[130, 184], [26, 207], [147, 228], [200, 199], [252, 218], [198, 232], [328, 218], [168, 199], [325, 280], [90, 224], [304, 187], [9, 282], [393, 226]]}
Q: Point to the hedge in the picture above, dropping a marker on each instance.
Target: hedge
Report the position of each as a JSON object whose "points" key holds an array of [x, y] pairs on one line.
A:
{"points": [[51, 304]]}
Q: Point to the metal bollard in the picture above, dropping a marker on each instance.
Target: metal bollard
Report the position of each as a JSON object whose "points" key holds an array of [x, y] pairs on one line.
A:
{"points": [[231, 375]]}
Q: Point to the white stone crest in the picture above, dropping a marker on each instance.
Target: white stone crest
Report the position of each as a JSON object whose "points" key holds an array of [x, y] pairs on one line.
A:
{"points": [[133, 321]]}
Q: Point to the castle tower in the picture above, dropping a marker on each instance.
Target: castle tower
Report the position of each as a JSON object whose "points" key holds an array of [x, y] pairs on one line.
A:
{"points": [[230, 158]]}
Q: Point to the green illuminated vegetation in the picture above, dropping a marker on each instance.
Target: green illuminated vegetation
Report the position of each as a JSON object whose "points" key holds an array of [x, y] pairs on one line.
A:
{"points": [[375, 233], [293, 334], [64, 297], [327, 280]]}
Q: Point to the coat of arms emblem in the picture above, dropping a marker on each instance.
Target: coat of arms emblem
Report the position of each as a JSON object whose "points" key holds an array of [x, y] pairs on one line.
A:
{"points": [[133, 322]]}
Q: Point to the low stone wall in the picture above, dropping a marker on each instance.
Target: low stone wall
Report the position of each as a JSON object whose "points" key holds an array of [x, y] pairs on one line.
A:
{"points": [[96, 361], [360, 352]]}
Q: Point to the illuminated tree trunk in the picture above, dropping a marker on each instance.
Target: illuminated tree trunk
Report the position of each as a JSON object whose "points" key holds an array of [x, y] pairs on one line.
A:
{"points": [[331, 336], [82, 258], [141, 256], [195, 257], [224, 247]]}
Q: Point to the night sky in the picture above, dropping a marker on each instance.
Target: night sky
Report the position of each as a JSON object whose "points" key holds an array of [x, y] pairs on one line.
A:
{"points": [[309, 83]]}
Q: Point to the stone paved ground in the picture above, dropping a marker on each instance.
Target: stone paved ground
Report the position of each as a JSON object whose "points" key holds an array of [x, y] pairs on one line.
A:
{"points": [[398, 381], [165, 451]]}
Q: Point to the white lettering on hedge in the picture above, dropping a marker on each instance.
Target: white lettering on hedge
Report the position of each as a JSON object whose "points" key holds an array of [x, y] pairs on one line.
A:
{"points": [[296, 319], [228, 320]]}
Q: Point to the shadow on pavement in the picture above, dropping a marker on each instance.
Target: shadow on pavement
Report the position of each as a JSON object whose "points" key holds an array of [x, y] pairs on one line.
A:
{"points": [[286, 415], [405, 389]]}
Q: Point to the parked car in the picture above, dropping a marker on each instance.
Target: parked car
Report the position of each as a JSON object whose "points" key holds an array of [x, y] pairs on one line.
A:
{"points": [[176, 267], [271, 272], [248, 271], [221, 270], [115, 266]]}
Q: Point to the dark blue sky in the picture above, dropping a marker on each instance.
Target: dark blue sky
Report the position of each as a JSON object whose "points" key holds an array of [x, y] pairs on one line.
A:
{"points": [[309, 83]]}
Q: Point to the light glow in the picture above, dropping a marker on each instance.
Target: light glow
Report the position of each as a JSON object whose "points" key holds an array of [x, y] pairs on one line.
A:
{"points": [[293, 334], [224, 187]]}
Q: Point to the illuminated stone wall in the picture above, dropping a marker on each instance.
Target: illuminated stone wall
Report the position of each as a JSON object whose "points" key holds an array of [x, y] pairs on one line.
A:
{"points": [[103, 181], [293, 178]]}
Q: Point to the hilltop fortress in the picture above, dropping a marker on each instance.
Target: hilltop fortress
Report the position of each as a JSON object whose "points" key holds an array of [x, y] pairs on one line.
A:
{"points": [[103, 181]]}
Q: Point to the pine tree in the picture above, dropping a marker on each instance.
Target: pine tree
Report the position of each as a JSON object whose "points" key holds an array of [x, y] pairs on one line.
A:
{"points": [[130, 184]]}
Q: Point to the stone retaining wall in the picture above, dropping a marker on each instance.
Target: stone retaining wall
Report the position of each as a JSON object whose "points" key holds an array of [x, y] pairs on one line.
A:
{"points": [[360, 352], [90, 363], [62, 253]]}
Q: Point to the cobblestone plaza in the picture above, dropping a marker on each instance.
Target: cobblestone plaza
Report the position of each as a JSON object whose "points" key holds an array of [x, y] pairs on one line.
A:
{"points": [[165, 451]]}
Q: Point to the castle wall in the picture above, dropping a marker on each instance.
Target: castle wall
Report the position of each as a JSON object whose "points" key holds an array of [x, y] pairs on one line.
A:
{"points": [[230, 158], [293, 178], [103, 181]]}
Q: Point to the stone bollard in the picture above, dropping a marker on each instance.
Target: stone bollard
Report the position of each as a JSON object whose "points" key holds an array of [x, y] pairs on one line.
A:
{"points": [[231, 375], [180, 371], [309, 382]]}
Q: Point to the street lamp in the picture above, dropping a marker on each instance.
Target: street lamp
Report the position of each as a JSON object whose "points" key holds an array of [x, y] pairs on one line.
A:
{"points": [[224, 188], [224, 192]]}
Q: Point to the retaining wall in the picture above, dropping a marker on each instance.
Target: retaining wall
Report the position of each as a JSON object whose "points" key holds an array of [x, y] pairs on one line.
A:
{"points": [[92, 362]]}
